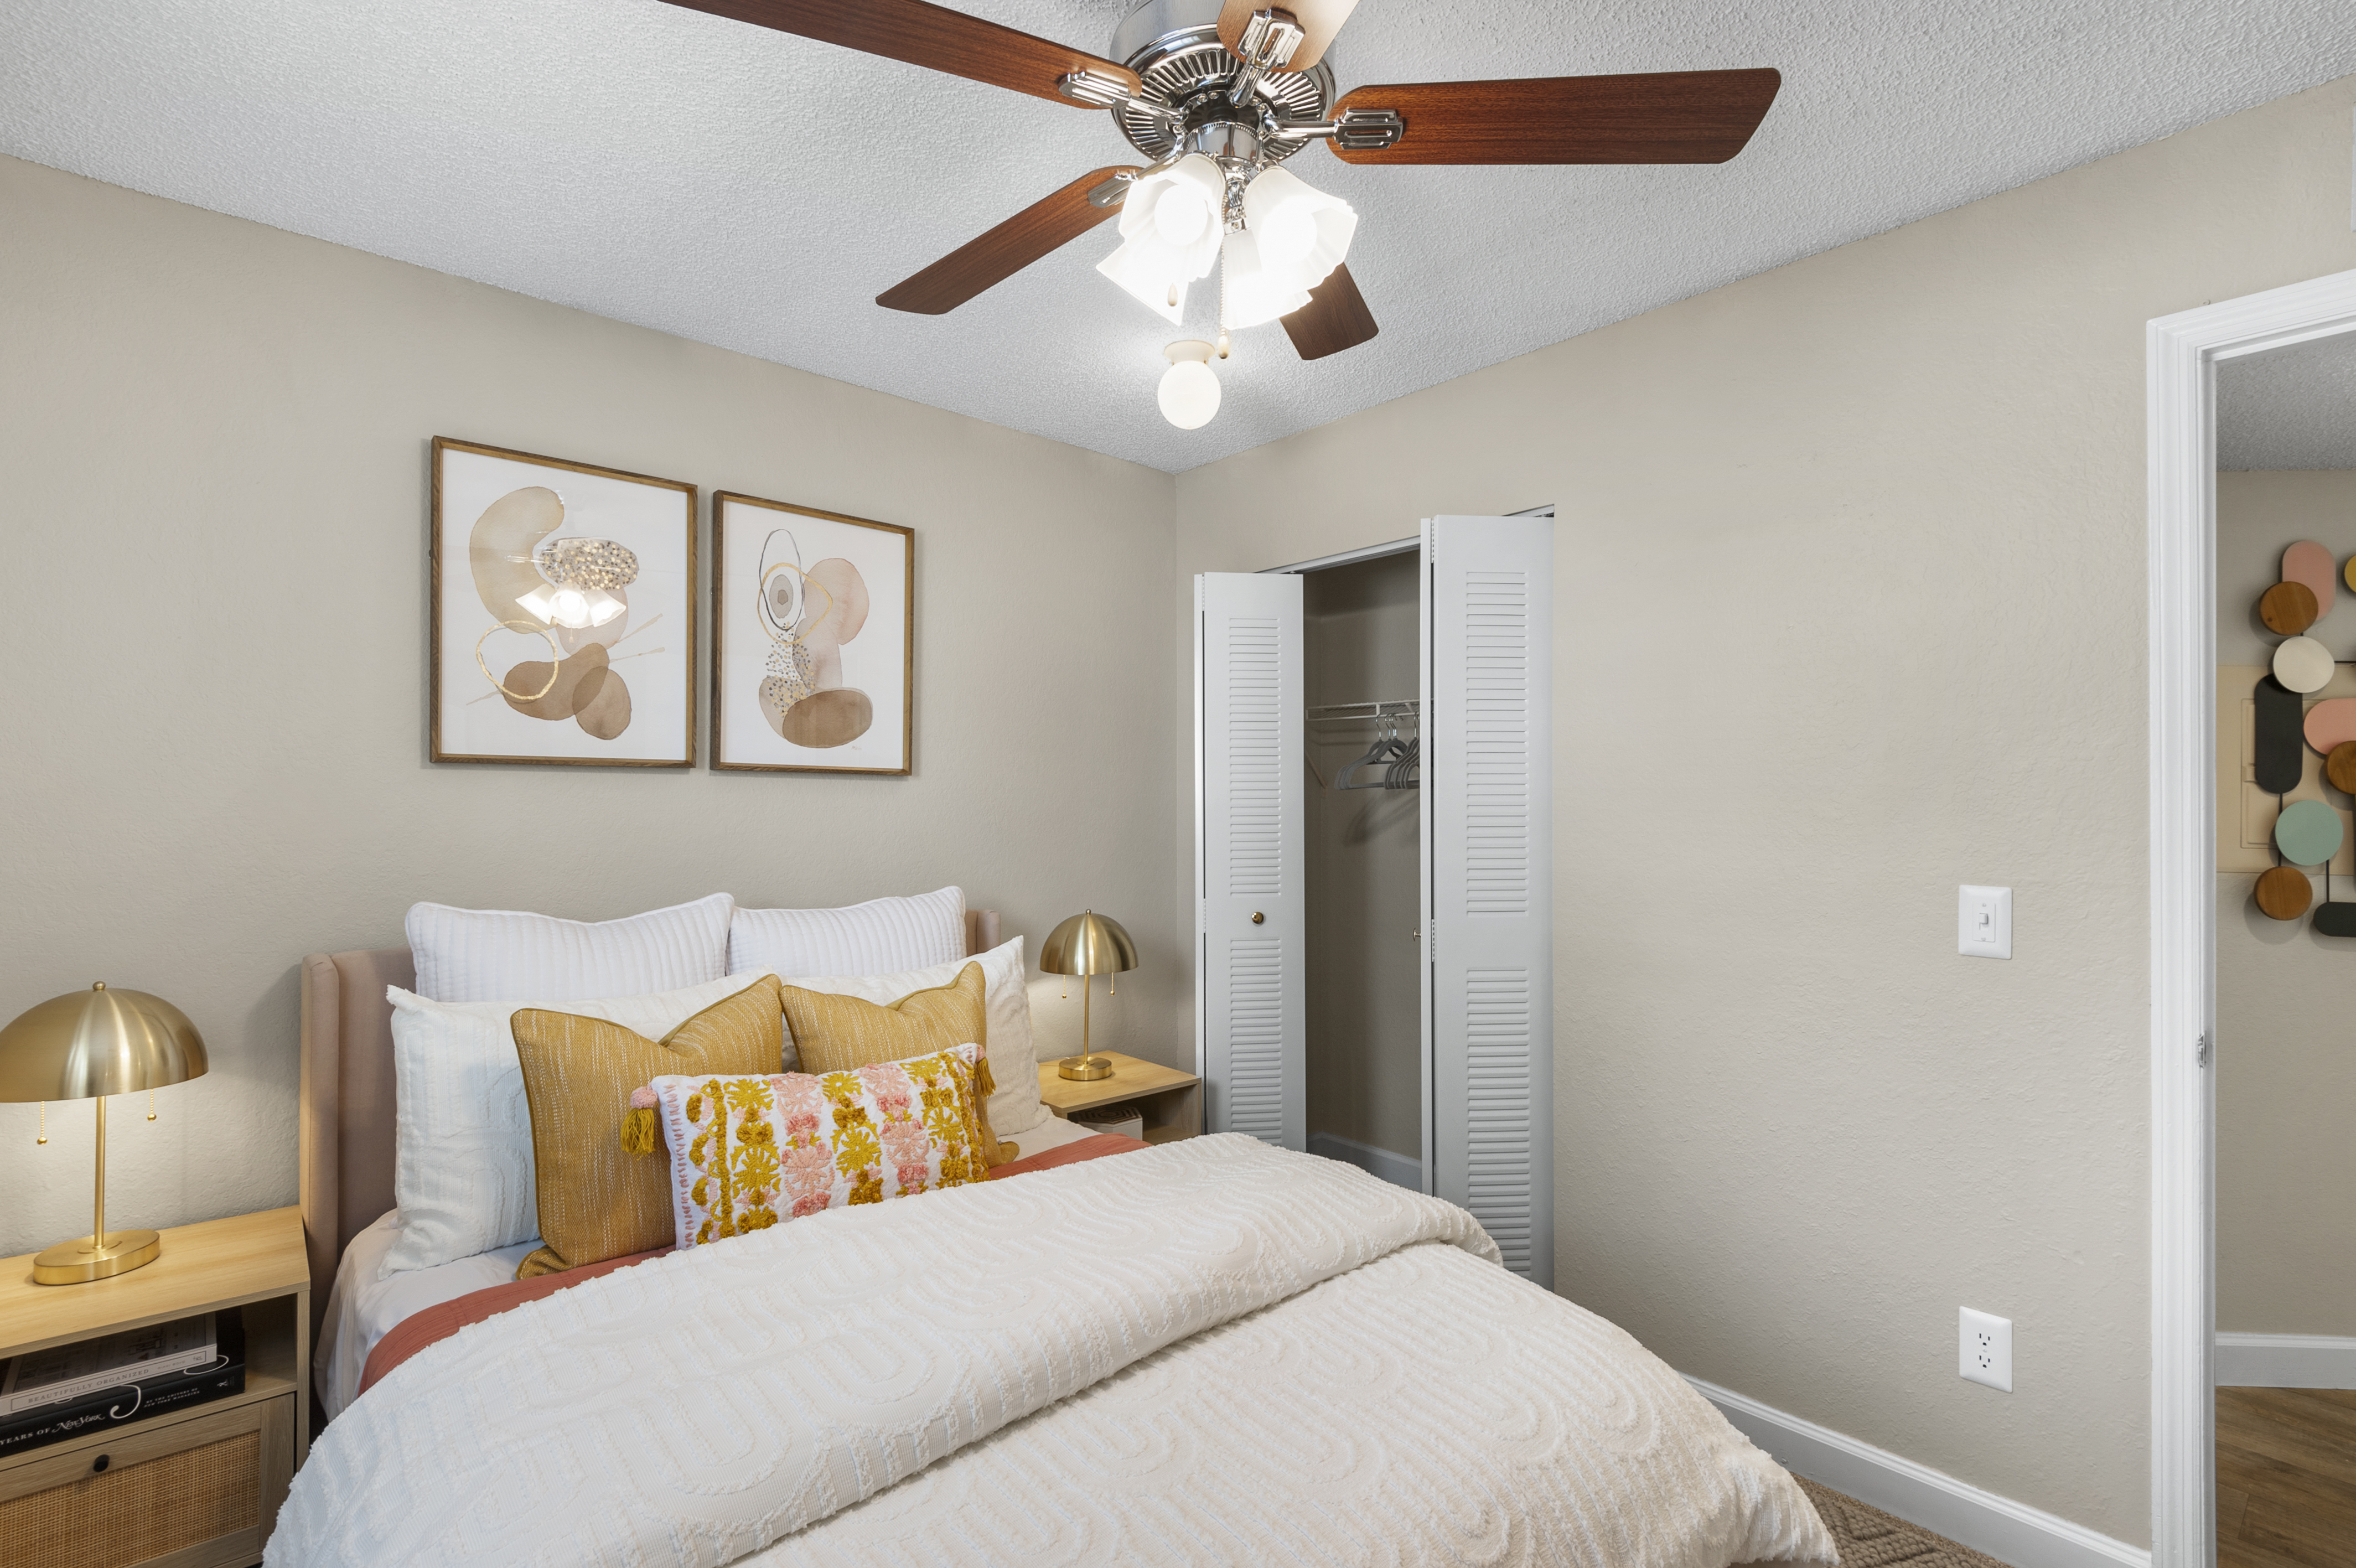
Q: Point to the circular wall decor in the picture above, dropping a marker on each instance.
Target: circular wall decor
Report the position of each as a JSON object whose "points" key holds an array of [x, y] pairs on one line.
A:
{"points": [[2307, 833], [2283, 893], [2303, 664], [2329, 724], [2288, 608], [2340, 768]]}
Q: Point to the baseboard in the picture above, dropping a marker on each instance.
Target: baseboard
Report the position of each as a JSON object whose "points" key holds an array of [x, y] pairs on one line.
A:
{"points": [[2009, 1532], [1397, 1169], [2286, 1361]]}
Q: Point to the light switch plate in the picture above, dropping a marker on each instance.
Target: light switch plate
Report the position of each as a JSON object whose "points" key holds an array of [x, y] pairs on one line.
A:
{"points": [[1984, 922], [1984, 1348]]}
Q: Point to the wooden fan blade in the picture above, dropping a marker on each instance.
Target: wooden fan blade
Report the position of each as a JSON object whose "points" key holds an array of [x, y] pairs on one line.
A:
{"points": [[1336, 317], [1319, 20], [1664, 117], [930, 36], [997, 255]]}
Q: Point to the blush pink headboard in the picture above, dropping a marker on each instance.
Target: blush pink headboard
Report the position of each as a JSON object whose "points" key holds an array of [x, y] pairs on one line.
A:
{"points": [[346, 1095]]}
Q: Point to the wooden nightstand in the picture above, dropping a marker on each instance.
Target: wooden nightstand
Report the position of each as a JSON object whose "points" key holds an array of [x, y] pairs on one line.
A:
{"points": [[1171, 1101], [193, 1490]]}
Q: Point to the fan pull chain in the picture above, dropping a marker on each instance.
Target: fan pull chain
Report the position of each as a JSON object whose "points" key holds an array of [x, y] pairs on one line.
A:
{"points": [[44, 1134], [150, 1103]]}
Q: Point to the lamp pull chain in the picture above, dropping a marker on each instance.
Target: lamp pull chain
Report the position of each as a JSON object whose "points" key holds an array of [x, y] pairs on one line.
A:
{"points": [[151, 1103], [44, 1133]]}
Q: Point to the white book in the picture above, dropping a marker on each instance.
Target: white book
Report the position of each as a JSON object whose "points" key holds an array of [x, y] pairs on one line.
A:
{"points": [[65, 1372]]}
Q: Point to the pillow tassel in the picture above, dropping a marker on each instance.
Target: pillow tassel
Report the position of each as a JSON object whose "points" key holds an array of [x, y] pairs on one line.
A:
{"points": [[638, 1125], [983, 1084]]}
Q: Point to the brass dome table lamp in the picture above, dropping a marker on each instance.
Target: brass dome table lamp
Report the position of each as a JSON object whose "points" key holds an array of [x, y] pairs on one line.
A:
{"points": [[1087, 944], [87, 1044]]}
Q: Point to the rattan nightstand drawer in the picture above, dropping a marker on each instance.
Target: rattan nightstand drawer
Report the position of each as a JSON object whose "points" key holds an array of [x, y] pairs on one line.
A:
{"points": [[196, 1491]]}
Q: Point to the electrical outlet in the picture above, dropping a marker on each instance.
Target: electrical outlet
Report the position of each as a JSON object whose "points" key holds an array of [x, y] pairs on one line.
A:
{"points": [[1984, 1348]]}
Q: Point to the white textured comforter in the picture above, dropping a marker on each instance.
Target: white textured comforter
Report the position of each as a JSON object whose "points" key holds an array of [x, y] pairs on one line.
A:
{"points": [[1235, 1355]]}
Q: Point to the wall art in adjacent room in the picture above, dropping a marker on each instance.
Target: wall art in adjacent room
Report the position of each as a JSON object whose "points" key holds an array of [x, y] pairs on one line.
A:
{"points": [[813, 639], [564, 612]]}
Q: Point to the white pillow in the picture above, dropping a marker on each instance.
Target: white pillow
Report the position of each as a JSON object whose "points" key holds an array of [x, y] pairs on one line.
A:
{"points": [[461, 1129], [858, 939], [1006, 999], [490, 955]]}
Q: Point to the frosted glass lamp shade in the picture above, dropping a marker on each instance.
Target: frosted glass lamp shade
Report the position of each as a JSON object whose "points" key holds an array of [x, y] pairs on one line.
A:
{"points": [[1189, 393], [1144, 282], [1303, 233], [1250, 294]]}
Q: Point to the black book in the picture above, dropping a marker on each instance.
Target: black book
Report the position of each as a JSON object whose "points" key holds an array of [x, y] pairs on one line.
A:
{"points": [[133, 1401]]}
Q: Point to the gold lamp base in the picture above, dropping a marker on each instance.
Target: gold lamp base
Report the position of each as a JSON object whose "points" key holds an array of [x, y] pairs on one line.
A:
{"points": [[1084, 1069], [82, 1260]]}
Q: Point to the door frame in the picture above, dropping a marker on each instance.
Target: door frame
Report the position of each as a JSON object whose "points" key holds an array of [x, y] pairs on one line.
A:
{"points": [[2181, 353]]}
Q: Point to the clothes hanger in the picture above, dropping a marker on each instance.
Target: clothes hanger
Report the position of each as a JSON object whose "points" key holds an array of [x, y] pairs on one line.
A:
{"points": [[1384, 750]]}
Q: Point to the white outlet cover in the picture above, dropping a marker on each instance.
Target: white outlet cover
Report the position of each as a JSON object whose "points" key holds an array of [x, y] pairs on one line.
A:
{"points": [[1984, 922], [1984, 1348]]}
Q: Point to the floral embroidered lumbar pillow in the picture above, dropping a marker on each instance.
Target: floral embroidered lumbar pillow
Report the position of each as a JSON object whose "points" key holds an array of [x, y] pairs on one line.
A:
{"points": [[833, 1033], [747, 1153]]}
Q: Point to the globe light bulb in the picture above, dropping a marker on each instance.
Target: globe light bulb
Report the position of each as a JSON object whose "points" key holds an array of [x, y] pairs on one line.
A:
{"points": [[1189, 394]]}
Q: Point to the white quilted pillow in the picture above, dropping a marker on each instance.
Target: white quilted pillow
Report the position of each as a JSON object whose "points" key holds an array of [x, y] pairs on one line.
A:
{"points": [[462, 1134], [1006, 1000], [858, 939], [491, 955]]}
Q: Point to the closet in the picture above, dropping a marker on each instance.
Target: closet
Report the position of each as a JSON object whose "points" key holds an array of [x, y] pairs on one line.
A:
{"points": [[1373, 865]]}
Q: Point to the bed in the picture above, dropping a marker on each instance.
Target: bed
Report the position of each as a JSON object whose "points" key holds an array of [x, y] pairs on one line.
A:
{"points": [[1210, 1350]]}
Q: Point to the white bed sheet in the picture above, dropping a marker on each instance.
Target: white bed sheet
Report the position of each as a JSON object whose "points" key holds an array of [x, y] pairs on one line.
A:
{"points": [[363, 1309], [1052, 1133]]}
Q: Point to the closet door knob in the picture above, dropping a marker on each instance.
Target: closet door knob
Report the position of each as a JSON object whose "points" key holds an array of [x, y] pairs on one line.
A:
{"points": [[1259, 919]]}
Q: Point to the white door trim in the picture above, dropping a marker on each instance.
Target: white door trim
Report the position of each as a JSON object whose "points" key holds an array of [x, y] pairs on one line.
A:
{"points": [[2181, 355]]}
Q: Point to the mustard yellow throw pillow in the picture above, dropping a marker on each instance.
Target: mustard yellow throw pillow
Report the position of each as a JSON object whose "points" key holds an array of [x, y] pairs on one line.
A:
{"points": [[597, 1200], [747, 1153], [841, 1034]]}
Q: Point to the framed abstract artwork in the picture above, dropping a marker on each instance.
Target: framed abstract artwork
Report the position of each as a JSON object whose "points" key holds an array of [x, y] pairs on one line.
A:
{"points": [[813, 639], [564, 612]]}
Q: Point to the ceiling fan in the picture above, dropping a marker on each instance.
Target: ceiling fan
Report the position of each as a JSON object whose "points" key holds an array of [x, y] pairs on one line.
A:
{"points": [[1218, 94]]}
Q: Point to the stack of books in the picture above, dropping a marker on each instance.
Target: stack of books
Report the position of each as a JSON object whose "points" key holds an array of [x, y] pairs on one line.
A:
{"points": [[68, 1390]]}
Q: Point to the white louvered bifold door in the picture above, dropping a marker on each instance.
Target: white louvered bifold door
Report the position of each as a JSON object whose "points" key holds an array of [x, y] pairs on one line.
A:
{"points": [[1250, 1028], [1488, 880]]}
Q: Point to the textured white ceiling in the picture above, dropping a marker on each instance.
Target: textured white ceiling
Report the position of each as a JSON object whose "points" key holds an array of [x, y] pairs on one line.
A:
{"points": [[756, 190], [2289, 408]]}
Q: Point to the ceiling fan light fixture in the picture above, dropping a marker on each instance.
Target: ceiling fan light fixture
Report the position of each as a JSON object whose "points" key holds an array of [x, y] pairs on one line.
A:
{"points": [[1303, 233], [1250, 292], [1171, 218], [1189, 392], [1141, 280]]}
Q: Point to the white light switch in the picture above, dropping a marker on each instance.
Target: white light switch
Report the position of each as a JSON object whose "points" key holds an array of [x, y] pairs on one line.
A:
{"points": [[1984, 922]]}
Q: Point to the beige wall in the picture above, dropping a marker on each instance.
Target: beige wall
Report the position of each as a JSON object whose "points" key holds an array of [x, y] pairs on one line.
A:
{"points": [[2286, 1074], [1849, 609], [1365, 1048], [214, 437]]}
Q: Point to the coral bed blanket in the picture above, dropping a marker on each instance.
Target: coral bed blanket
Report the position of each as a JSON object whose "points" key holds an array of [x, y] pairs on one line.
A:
{"points": [[1225, 1352]]}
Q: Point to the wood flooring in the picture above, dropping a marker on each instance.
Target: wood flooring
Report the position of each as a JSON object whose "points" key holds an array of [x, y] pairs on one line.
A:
{"points": [[2285, 1478]]}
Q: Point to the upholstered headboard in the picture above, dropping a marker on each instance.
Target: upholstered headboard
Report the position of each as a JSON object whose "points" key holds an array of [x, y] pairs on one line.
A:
{"points": [[346, 1096]]}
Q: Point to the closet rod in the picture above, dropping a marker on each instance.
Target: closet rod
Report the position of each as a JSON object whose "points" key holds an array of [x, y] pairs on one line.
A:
{"points": [[1359, 713]]}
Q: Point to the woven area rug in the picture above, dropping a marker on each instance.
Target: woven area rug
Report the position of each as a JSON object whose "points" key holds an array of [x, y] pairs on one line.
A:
{"points": [[1872, 1538]]}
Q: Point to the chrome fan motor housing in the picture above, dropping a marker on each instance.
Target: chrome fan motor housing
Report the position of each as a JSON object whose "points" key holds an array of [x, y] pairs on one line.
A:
{"points": [[1173, 46]]}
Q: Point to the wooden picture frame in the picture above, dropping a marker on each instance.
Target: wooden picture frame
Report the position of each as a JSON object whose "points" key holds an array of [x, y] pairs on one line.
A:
{"points": [[792, 689], [502, 522]]}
